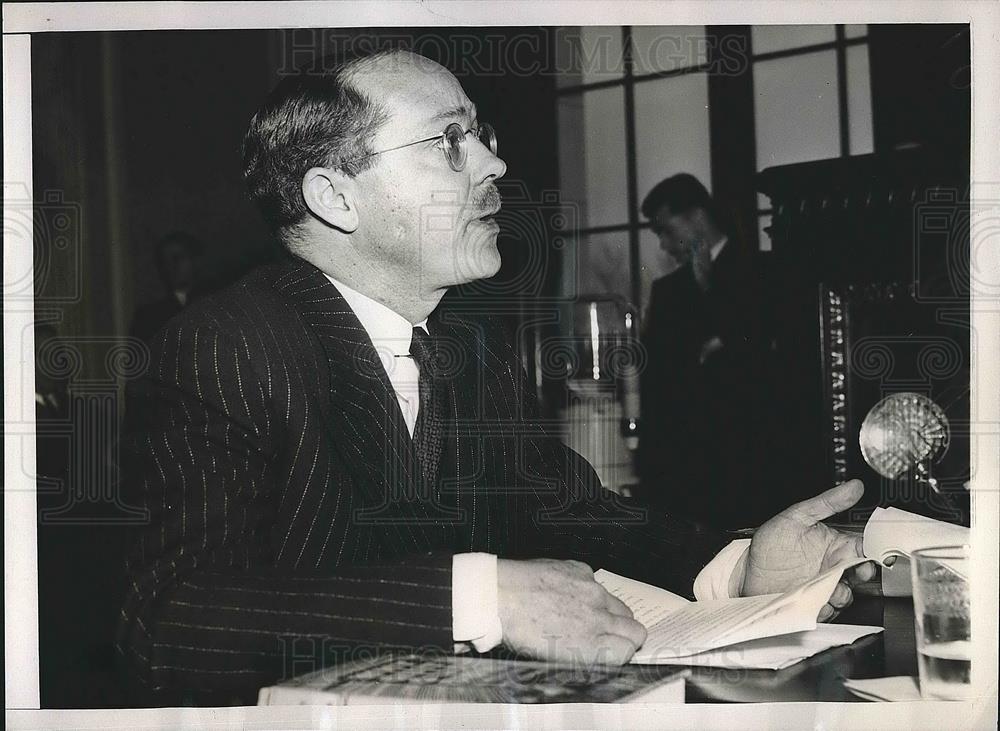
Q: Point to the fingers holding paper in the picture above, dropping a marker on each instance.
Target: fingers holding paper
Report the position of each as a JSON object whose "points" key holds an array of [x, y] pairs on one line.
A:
{"points": [[840, 600], [795, 546], [845, 547]]}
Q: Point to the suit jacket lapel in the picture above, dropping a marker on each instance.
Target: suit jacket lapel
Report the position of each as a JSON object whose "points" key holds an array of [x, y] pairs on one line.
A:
{"points": [[364, 421]]}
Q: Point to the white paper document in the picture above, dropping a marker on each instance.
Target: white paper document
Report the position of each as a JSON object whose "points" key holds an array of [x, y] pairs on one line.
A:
{"points": [[677, 628], [752, 633], [891, 532]]}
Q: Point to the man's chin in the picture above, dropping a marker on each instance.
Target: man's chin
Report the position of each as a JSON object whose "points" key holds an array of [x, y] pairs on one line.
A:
{"points": [[486, 266], [482, 263]]}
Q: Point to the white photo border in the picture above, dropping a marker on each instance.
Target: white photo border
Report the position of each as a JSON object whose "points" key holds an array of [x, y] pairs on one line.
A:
{"points": [[20, 578]]}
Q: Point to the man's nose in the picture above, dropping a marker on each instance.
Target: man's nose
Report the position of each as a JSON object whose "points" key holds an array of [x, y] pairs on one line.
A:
{"points": [[489, 166]]}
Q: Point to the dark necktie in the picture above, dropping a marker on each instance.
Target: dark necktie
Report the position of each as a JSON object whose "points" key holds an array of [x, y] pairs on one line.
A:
{"points": [[428, 432]]}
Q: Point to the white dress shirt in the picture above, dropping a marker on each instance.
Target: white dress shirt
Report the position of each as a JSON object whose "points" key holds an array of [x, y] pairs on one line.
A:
{"points": [[713, 253], [474, 603]]}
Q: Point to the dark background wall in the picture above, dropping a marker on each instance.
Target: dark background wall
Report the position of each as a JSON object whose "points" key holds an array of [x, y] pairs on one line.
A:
{"points": [[183, 100]]}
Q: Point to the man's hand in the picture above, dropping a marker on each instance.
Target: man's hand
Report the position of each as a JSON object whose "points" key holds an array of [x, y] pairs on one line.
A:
{"points": [[554, 610], [793, 547]]}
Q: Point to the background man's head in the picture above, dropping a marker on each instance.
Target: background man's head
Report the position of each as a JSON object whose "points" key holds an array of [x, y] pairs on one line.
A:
{"points": [[682, 215], [175, 260], [330, 162]]}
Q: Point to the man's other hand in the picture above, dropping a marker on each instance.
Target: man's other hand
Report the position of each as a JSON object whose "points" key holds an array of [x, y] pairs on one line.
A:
{"points": [[554, 610], [794, 546]]}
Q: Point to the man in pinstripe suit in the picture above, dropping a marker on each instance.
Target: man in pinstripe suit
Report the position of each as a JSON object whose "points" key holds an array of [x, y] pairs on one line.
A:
{"points": [[332, 462]]}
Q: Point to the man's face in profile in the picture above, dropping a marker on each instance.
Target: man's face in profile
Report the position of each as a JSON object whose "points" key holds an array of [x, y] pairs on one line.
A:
{"points": [[422, 216], [680, 234]]}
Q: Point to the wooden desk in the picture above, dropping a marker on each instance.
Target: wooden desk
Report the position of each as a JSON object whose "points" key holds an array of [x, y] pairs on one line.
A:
{"points": [[820, 678]]}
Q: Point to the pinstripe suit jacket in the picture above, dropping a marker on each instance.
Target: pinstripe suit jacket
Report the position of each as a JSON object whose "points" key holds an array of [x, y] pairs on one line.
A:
{"points": [[287, 524]]}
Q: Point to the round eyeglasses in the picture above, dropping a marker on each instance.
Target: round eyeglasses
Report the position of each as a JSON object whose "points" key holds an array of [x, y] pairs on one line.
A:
{"points": [[453, 143]]}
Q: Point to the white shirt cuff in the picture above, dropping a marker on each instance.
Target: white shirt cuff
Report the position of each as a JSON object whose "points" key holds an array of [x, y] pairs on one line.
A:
{"points": [[713, 581], [474, 603]]}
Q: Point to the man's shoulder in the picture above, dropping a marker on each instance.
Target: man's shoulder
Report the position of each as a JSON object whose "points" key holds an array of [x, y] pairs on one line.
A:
{"points": [[678, 282], [738, 273], [255, 296], [255, 308]]}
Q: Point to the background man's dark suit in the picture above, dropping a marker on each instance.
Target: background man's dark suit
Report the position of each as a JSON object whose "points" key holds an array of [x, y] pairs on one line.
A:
{"points": [[268, 446], [152, 316], [706, 411]]}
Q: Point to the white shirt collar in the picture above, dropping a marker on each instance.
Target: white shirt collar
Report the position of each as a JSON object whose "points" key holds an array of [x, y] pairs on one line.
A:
{"points": [[717, 247], [388, 330]]}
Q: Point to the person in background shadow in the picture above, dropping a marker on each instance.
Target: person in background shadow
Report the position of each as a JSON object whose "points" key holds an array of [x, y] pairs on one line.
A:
{"points": [[176, 258], [704, 441]]}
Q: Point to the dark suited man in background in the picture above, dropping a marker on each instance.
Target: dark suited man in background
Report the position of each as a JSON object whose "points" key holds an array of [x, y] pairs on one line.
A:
{"points": [[706, 437], [177, 256], [333, 461]]}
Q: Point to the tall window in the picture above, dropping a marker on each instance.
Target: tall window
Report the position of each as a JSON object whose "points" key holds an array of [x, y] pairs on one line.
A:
{"points": [[634, 108], [812, 97]]}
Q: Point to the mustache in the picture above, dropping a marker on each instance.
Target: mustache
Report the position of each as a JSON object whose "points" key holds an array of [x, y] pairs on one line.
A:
{"points": [[488, 200]]}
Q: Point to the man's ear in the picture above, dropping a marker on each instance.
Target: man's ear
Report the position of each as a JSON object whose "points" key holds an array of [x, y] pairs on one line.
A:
{"points": [[331, 196]]}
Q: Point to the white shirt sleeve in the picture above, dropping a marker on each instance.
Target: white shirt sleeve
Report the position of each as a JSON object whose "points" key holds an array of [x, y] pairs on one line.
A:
{"points": [[713, 581], [474, 601]]}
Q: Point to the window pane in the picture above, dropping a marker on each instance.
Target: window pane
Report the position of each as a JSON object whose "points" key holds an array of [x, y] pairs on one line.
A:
{"points": [[589, 54], [767, 38], [672, 131], [592, 155], [859, 100], [855, 31], [666, 47], [796, 109]]}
